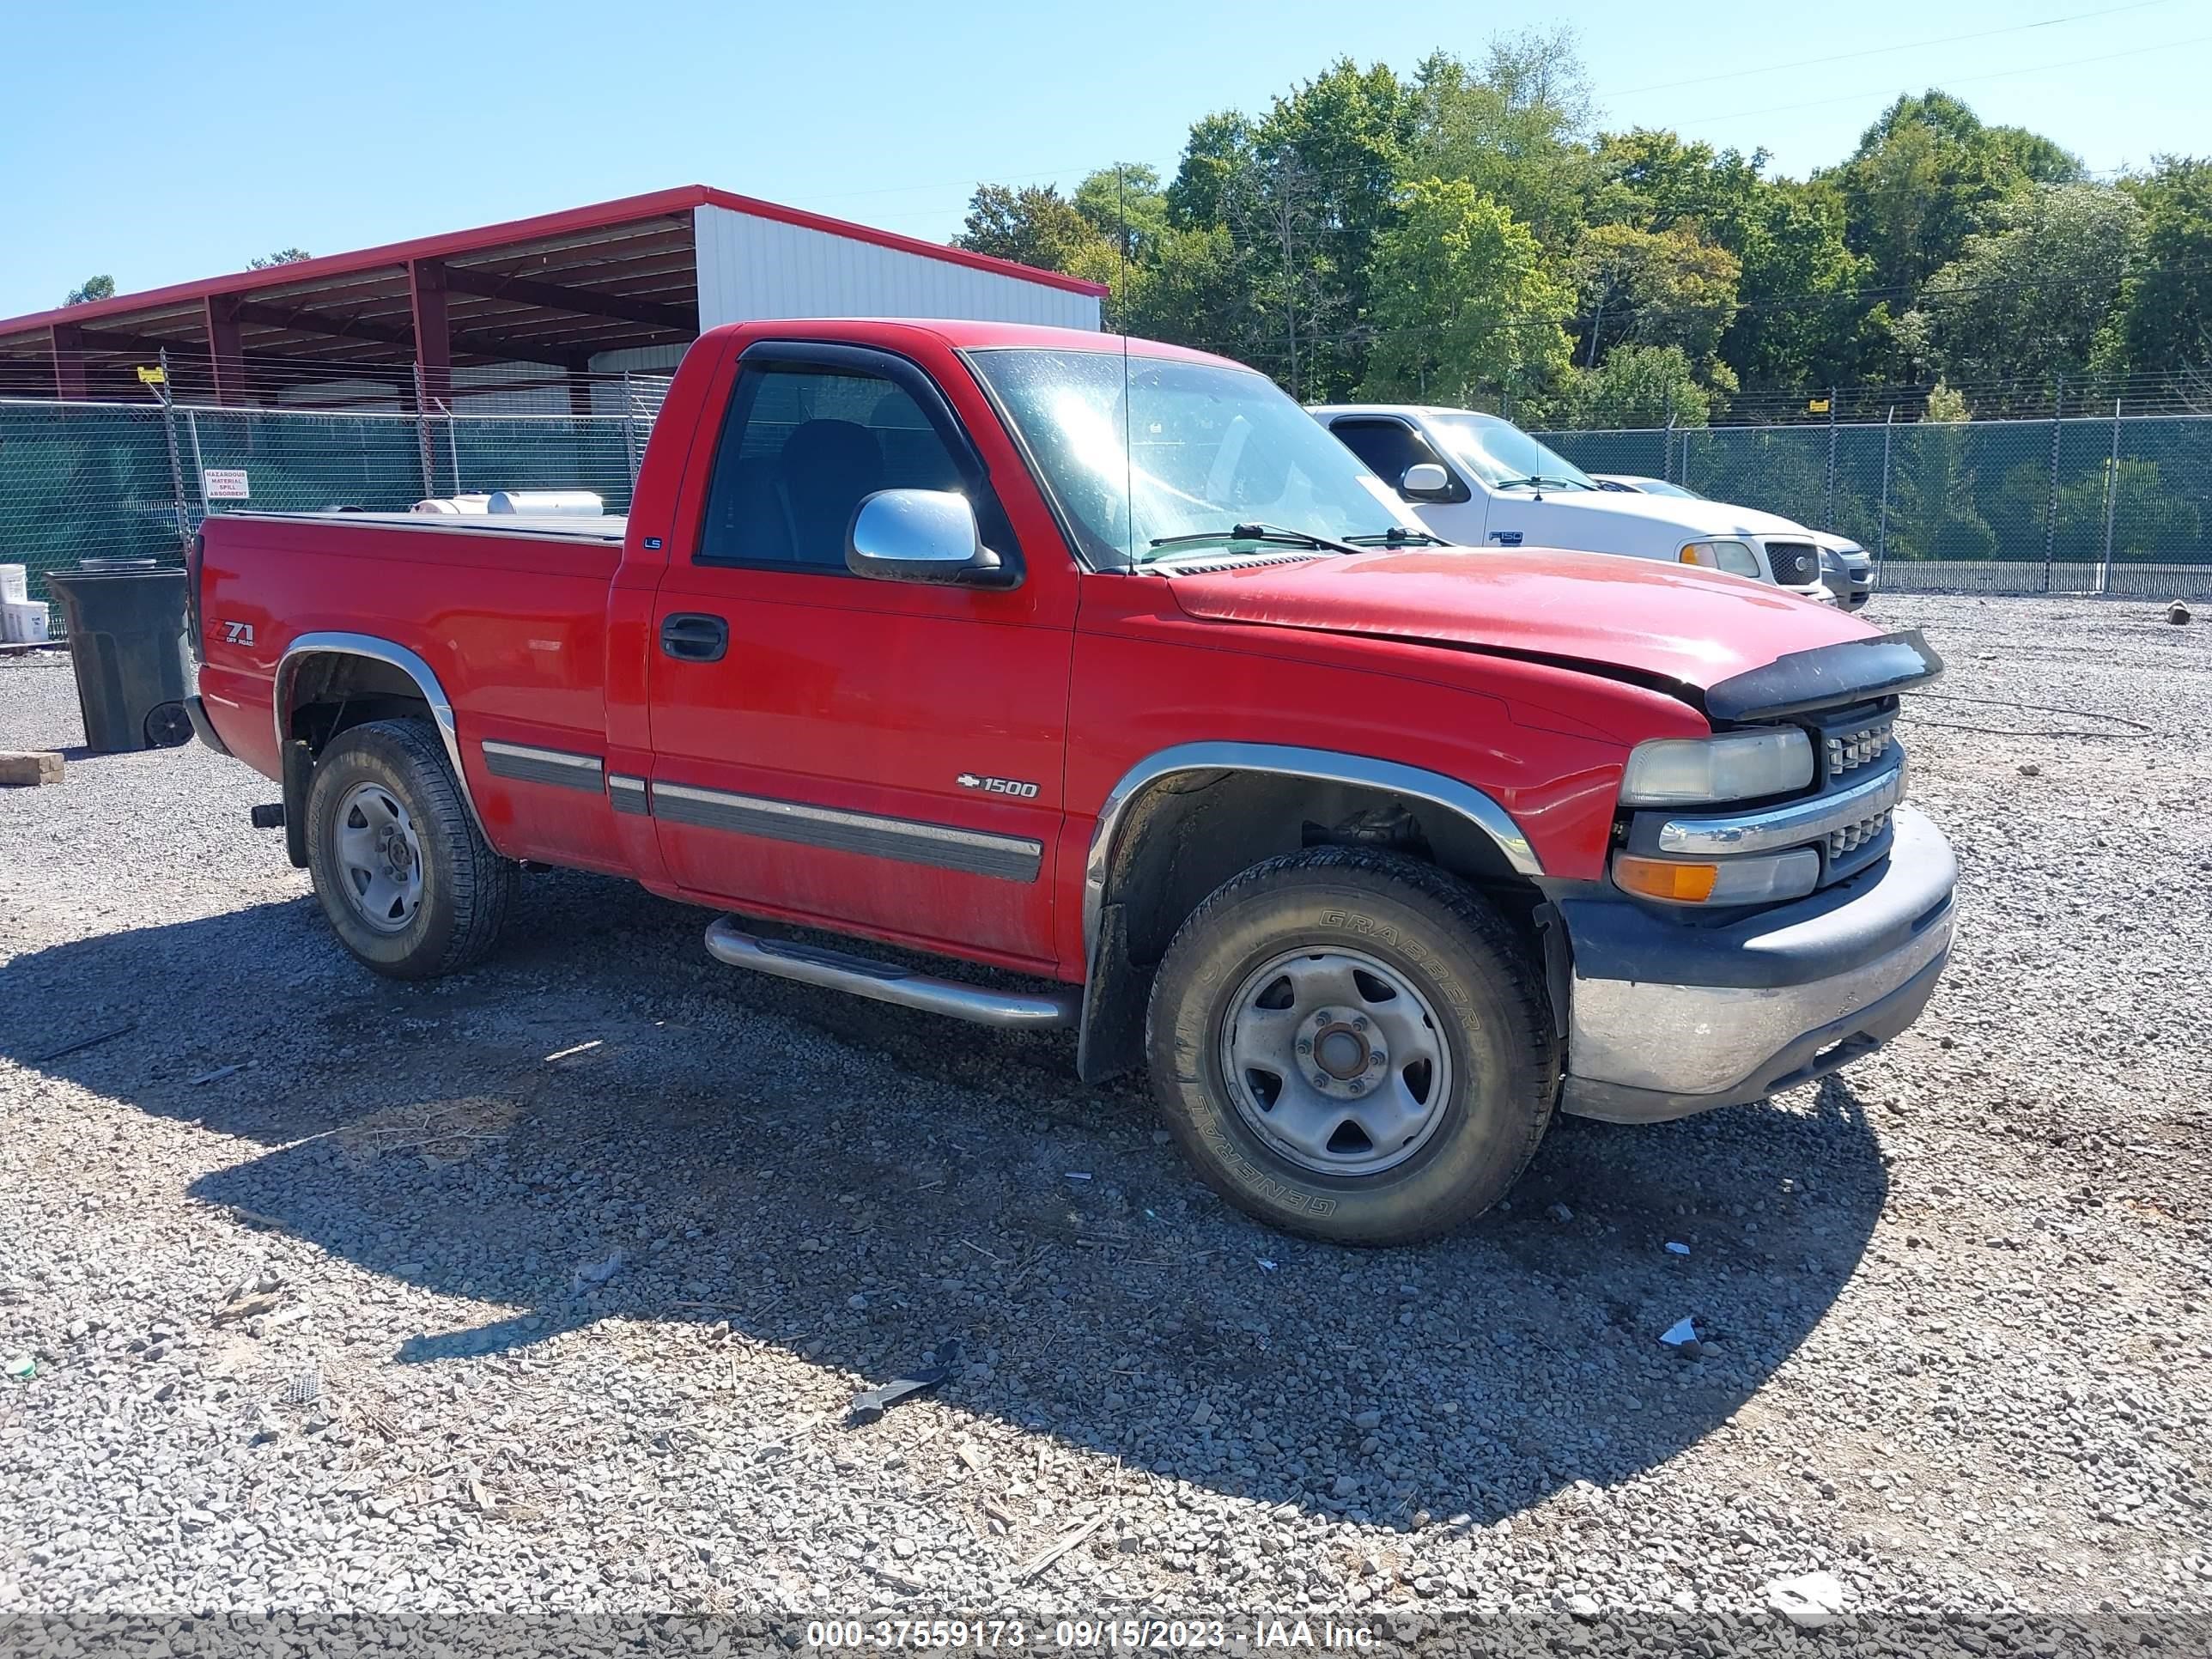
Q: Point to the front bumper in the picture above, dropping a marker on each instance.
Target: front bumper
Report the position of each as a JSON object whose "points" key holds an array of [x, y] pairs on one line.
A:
{"points": [[1667, 1017]]}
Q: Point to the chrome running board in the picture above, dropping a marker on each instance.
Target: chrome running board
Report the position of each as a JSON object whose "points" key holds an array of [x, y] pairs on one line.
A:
{"points": [[886, 981]]}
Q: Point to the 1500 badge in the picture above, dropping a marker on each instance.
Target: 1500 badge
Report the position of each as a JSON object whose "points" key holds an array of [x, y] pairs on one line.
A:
{"points": [[1013, 787]]}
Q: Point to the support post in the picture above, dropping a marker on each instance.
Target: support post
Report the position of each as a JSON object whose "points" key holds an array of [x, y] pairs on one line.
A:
{"points": [[2051, 507], [630, 426], [66, 341], [423, 450], [1666, 442], [1828, 508], [199, 461], [226, 358], [2111, 502], [580, 392], [1881, 523], [176, 462], [434, 346]]}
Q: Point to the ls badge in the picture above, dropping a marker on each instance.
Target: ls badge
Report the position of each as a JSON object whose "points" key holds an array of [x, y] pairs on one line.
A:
{"points": [[1011, 787]]}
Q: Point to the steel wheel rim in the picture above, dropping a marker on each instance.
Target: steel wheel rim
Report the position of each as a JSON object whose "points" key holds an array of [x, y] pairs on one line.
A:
{"points": [[378, 857], [1336, 1061]]}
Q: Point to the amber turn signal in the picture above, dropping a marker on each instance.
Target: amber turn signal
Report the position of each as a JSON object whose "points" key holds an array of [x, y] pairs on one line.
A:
{"points": [[1666, 878]]}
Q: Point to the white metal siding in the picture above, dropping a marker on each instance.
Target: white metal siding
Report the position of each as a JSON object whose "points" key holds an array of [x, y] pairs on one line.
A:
{"points": [[752, 268]]}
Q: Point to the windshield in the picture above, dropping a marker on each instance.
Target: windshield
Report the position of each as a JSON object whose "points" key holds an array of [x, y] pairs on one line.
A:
{"points": [[1210, 449], [1505, 457]]}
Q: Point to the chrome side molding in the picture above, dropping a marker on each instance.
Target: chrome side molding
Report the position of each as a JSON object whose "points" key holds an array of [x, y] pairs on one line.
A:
{"points": [[888, 981]]}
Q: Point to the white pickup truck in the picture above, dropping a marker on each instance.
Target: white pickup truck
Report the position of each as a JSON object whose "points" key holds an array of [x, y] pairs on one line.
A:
{"points": [[1482, 481]]}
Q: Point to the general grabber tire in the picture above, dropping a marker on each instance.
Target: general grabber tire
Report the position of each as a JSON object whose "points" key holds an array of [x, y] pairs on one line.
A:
{"points": [[1352, 1045], [406, 878]]}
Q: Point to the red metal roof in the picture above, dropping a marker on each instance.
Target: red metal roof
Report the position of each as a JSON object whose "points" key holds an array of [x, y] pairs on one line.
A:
{"points": [[488, 237]]}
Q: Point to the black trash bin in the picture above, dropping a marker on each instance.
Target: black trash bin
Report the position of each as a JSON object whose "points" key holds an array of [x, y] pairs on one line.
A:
{"points": [[126, 636]]}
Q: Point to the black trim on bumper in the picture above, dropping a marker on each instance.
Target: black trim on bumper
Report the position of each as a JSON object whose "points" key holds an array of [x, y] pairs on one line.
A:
{"points": [[203, 728], [1815, 1054]]}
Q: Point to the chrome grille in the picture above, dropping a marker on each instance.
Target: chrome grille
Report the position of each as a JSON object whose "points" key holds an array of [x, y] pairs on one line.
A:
{"points": [[1849, 751], [1852, 837], [1795, 563]]}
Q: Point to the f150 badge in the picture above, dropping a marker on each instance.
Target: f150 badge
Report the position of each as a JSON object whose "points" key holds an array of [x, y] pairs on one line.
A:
{"points": [[1013, 787]]}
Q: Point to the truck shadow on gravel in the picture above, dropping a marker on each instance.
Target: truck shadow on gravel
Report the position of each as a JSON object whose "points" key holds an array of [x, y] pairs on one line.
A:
{"points": [[603, 1125]]}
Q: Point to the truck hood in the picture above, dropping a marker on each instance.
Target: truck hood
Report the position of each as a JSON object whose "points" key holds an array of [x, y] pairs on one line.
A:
{"points": [[1693, 518], [1640, 619]]}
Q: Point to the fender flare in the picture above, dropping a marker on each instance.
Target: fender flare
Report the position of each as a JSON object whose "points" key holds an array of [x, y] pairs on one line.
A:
{"points": [[394, 655], [1464, 800]]}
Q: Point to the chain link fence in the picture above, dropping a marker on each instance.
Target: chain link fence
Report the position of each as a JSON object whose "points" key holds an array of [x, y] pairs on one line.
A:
{"points": [[99, 480], [2120, 504], [2116, 504]]}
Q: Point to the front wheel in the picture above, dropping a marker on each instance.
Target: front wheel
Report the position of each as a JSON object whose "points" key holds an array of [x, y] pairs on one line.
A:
{"points": [[1352, 1045], [406, 878]]}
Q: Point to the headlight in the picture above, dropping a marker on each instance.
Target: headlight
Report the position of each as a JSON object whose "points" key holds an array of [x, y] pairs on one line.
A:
{"points": [[1738, 766], [1760, 880], [1735, 557]]}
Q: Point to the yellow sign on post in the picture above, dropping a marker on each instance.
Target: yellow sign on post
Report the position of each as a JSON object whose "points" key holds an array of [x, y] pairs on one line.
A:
{"points": [[154, 376], [1818, 406]]}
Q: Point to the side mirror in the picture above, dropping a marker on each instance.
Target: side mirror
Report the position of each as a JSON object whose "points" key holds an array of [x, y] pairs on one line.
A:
{"points": [[1425, 478], [922, 535]]}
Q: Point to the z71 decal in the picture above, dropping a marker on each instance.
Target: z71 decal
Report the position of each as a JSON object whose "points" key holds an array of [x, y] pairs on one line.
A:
{"points": [[1013, 787], [237, 632]]}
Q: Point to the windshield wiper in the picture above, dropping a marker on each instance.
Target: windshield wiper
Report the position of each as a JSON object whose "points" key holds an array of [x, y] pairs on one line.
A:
{"points": [[1272, 534], [1537, 481], [1399, 536]]}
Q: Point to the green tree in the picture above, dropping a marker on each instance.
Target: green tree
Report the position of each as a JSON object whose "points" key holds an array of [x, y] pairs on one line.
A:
{"points": [[282, 255], [1638, 387], [2165, 305], [1125, 206], [1193, 290], [1803, 320], [1654, 288], [1216, 158], [2029, 299], [1032, 225], [1655, 181], [1513, 127], [1923, 177], [1933, 514], [1462, 303], [1330, 160], [93, 288]]}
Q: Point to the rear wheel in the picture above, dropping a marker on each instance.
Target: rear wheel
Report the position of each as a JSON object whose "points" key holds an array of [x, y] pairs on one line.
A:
{"points": [[1352, 1045], [407, 880]]}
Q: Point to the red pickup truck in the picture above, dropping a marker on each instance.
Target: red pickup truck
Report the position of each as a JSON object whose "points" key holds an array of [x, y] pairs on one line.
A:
{"points": [[1098, 663]]}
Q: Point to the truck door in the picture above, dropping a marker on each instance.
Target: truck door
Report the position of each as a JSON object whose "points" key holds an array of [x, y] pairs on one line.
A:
{"points": [[877, 756], [1389, 446]]}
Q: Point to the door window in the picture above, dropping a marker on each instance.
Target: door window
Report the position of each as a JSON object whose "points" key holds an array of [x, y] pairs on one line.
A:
{"points": [[801, 449], [1389, 447]]}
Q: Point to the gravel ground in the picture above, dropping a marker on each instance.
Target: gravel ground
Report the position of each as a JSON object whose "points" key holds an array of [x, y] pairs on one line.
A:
{"points": [[546, 1288]]}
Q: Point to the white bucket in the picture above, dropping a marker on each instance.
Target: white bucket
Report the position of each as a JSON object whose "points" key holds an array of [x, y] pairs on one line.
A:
{"points": [[15, 584], [24, 621]]}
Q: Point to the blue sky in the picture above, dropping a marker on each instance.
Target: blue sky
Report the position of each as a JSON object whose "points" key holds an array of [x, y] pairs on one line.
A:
{"points": [[164, 142]]}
